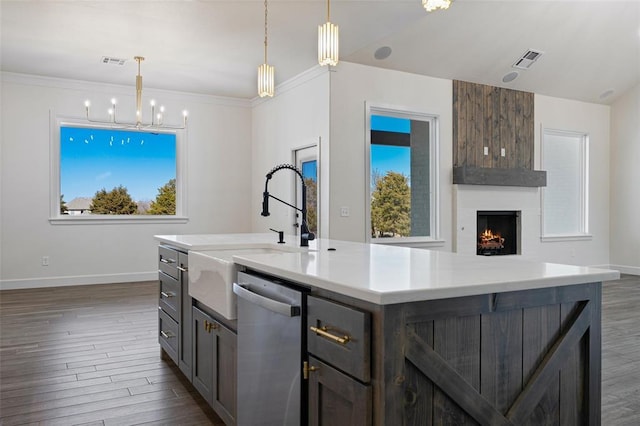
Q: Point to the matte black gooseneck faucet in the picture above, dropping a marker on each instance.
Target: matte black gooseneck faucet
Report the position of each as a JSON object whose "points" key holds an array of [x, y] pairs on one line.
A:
{"points": [[305, 235]]}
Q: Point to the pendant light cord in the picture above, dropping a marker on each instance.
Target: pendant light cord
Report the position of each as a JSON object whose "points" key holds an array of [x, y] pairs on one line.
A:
{"points": [[328, 10], [265, 31]]}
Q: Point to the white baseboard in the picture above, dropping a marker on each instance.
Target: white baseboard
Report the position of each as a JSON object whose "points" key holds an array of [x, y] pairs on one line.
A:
{"points": [[24, 283], [631, 270]]}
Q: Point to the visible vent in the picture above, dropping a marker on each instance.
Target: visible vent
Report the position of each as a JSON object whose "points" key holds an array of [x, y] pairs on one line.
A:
{"points": [[526, 60], [113, 61]]}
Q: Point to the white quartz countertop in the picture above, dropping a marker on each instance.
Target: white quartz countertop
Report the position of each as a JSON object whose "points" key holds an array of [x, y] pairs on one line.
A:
{"points": [[386, 274]]}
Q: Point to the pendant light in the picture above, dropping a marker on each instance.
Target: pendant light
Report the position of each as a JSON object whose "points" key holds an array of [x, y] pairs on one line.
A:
{"points": [[328, 44], [266, 76], [431, 5]]}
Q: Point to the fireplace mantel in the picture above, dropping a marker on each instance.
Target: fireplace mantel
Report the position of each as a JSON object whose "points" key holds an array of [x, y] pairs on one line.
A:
{"points": [[467, 175]]}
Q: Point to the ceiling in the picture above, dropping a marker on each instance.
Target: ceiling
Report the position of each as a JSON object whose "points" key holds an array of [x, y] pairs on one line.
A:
{"points": [[214, 47]]}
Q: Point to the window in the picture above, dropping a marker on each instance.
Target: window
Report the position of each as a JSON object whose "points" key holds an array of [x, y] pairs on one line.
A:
{"points": [[306, 160], [402, 176], [101, 173], [564, 199]]}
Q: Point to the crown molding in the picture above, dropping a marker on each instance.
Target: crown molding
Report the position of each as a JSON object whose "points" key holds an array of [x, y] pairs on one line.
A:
{"points": [[69, 84], [293, 82]]}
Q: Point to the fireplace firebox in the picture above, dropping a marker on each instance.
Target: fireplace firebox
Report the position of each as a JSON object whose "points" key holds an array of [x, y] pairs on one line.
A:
{"points": [[498, 233]]}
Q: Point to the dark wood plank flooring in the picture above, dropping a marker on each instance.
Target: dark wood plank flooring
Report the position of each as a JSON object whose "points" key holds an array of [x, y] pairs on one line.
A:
{"points": [[621, 351], [88, 355]]}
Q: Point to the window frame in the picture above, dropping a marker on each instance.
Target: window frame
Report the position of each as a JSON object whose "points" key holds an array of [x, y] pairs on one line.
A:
{"points": [[434, 172], [55, 218], [583, 233]]}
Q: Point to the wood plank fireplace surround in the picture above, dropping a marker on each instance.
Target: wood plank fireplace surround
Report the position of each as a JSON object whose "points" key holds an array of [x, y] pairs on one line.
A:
{"points": [[493, 159]]}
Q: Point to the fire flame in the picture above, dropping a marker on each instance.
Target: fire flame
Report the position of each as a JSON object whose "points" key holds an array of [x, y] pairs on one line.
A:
{"points": [[488, 235], [488, 238]]}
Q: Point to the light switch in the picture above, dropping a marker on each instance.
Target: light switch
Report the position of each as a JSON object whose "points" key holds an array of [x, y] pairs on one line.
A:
{"points": [[486, 150], [503, 152], [344, 211]]}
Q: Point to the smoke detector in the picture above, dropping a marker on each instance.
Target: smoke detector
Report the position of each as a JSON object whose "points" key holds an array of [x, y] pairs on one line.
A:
{"points": [[112, 61], [527, 59]]}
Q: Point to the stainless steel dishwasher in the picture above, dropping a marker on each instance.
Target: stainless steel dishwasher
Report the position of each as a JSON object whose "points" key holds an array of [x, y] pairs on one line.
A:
{"points": [[270, 343]]}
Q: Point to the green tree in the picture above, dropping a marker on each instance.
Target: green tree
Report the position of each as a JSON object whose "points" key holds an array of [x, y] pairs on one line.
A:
{"points": [[63, 205], [391, 206], [312, 204], [165, 202], [116, 201]]}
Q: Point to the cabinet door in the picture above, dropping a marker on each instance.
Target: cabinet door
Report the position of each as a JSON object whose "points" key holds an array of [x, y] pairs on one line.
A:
{"points": [[202, 354], [336, 399], [214, 364], [224, 395], [186, 329]]}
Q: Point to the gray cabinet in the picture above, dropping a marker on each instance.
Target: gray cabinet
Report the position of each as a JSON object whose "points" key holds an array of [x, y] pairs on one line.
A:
{"points": [[215, 364], [337, 399], [174, 307], [339, 366]]}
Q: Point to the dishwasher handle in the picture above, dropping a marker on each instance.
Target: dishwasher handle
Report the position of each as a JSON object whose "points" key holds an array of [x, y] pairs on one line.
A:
{"points": [[243, 291]]}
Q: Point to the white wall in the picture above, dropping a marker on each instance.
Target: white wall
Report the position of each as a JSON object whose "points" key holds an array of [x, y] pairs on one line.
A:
{"points": [[351, 86], [625, 183], [592, 119], [219, 186], [297, 116]]}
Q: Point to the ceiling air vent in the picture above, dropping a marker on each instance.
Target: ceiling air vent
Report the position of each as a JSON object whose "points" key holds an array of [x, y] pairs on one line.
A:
{"points": [[113, 61], [526, 60]]}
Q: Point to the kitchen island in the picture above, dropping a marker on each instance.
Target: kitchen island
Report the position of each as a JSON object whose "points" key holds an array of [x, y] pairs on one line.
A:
{"points": [[443, 338]]}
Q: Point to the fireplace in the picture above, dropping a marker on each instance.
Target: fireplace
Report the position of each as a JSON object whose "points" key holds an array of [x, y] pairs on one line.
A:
{"points": [[498, 233]]}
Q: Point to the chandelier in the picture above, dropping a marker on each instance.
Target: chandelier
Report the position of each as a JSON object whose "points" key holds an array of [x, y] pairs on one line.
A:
{"points": [[266, 76], [157, 118], [431, 5], [328, 44]]}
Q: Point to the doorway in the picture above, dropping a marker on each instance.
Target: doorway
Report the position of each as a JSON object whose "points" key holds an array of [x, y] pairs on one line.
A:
{"points": [[306, 160]]}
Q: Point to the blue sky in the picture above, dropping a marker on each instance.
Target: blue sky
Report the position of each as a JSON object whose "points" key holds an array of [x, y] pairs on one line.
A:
{"points": [[92, 159], [309, 169], [390, 158]]}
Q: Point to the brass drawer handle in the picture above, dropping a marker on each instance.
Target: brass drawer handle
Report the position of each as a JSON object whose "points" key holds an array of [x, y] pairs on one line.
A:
{"points": [[322, 331], [306, 369], [168, 335], [167, 261], [208, 326], [167, 295], [180, 268]]}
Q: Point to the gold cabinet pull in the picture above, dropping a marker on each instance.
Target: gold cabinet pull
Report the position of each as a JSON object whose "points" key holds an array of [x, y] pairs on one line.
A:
{"points": [[183, 269], [322, 331], [167, 295], [208, 326], [168, 335], [167, 261], [306, 369]]}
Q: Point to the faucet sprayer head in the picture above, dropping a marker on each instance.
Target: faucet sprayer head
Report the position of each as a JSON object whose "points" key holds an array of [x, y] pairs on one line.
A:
{"points": [[265, 204]]}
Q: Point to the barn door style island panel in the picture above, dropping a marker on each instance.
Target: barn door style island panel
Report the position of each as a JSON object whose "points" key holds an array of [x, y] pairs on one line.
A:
{"points": [[399, 336]]}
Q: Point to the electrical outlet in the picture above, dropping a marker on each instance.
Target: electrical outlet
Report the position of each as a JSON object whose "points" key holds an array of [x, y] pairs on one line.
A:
{"points": [[486, 150], [344, 211], [45, 260], [503, 152]]}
